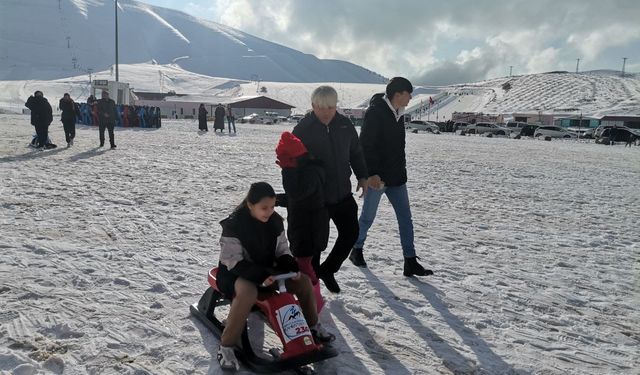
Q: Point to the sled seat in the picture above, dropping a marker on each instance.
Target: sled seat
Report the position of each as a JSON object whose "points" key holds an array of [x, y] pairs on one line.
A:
{"points": [[262, 296]]}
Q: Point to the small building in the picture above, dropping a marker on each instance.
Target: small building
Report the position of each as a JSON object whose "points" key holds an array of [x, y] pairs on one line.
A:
{"points": [[186, 105], [118, 91], [577, 121]]}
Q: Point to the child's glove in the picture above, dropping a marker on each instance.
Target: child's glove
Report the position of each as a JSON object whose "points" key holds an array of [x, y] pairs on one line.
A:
{"points": [[286, 263]]}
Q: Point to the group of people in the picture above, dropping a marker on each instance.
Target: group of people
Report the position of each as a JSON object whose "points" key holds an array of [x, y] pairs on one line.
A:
{"points": [[219, 114], [317, 159], [42, 117], [126, 115]]}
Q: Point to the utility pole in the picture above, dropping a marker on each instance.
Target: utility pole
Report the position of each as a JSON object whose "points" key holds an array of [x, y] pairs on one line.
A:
{"points": [[68, 44], [89, 71], [510, 70], [577, 64], [116, 1], [624, 61]]}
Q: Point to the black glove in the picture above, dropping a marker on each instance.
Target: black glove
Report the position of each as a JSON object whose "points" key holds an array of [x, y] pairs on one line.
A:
{"points": [[286, 263], [281, 200]]}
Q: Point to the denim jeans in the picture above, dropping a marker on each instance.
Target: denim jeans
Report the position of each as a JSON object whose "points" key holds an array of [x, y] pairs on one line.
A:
{"points": [[399, 198]]}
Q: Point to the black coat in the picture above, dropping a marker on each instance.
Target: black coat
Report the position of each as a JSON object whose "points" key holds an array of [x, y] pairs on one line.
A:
{"points": [[107, 111], [41, 112], [338, 148], [383, 141], [308, 217], [219, 120], [70, 110]]}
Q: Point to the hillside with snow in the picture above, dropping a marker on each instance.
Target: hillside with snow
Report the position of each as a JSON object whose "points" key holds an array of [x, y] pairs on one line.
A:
{"points": [[46, 39], [592, 93]]}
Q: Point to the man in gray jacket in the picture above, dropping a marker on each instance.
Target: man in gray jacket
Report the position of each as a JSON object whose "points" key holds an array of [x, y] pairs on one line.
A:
{"points": [[332, 139]]}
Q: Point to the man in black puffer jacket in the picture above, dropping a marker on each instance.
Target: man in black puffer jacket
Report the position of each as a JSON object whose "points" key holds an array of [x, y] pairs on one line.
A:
{"points": [[383, 141], [41, 117], [332, 139]]}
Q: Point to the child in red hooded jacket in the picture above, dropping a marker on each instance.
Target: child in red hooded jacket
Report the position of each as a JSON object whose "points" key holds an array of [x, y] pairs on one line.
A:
{"points": [[307, 217]]}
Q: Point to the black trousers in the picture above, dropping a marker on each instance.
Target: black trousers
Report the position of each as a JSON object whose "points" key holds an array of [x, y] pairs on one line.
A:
{"points": [[344, 215], [69, 130], [109, 126], [43, 133]]}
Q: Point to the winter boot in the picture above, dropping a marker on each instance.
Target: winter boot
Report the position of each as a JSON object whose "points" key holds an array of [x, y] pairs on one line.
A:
{"points": [[329, 280], [321, 335], [227, 359], [412, 267], [356, 258]]}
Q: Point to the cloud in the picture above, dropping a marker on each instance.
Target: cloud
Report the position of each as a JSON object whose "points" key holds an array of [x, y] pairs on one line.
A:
{"points": [[425, 39]]}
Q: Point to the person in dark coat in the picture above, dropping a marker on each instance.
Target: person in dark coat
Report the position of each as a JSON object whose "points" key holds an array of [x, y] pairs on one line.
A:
{"points": [[202, 118], [253, 248], [383, 142], [41, 118], [332, 139], [307, 216], [231, 119], [70, 113], [219, 114], [107, 118]]}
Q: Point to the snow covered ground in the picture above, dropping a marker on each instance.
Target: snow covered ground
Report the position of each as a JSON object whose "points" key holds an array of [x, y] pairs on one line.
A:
{"points": [[535, 246]]}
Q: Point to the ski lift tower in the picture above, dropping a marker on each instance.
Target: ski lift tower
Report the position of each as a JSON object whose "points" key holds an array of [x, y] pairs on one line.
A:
{"points": [[118, 91]]}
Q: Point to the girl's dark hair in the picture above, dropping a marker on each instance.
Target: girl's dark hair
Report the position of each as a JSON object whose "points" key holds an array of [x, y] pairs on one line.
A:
{"points": [[257, 192], [398, 85]]}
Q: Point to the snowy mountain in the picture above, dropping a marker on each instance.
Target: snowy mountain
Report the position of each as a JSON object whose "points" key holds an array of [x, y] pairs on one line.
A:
{"points": [[45, 39]]}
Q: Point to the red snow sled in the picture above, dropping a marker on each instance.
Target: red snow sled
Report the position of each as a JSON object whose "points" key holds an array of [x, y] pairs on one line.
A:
{"points": [[283, 313]]}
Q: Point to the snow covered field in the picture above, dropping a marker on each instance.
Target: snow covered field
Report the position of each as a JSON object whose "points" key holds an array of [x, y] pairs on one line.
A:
{"points": [[535, 247]]}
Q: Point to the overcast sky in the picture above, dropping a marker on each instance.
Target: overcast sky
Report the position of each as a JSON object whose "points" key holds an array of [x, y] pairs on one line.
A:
{"points": [[442, 42]]}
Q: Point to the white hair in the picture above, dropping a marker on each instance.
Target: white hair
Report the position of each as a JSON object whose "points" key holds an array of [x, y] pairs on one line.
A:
{"points": [[324, 97]]}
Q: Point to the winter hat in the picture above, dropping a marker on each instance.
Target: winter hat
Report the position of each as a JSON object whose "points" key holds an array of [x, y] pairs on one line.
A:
{"points": [[289, 148]]}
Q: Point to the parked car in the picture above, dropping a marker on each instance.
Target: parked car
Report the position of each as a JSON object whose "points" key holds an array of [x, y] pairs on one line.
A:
{"points": [[528, 130], [583, 132], [619, 135], [423, 125], [602, 128], [251, 119], [554, 132], [516, 125], [487, 128], [460, 126]]}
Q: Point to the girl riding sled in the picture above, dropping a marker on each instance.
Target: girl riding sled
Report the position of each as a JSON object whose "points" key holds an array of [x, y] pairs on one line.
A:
{"points": [[253, 248]]}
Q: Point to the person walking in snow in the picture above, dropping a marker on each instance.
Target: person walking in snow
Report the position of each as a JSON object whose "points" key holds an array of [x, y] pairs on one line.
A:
{"points": [[383, 142], [41, 118], [107, 118], [332, 139], [70, 113], [303, 178], [202, 118]]}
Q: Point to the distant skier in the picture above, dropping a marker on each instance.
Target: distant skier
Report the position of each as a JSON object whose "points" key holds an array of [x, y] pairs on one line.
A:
{"points": [[218, 123], [202, 118], [70, 113], [41, 118], [107, 118]]}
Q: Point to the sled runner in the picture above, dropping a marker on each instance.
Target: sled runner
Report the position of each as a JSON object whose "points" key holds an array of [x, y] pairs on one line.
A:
{"points": [[284, 316]]}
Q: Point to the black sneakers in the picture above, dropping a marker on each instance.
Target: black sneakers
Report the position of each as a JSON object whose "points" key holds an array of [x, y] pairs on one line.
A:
{"points": [[356, 258], [412, 267], [329, 281]]}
